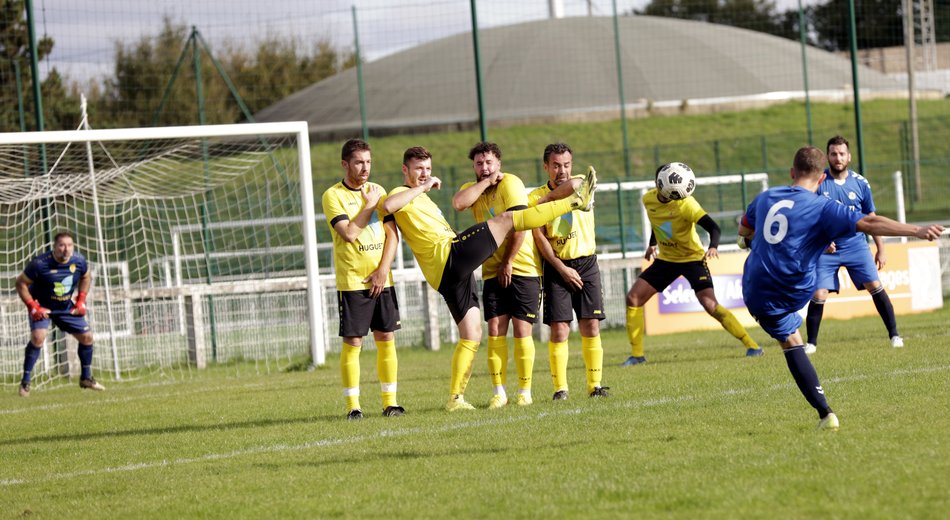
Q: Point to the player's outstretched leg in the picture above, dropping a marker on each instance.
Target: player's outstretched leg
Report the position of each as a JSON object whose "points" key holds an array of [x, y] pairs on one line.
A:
{"points": [[537, 216], [807, 380]]}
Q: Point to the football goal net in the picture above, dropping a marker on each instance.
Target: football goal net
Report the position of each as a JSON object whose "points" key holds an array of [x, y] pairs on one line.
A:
{"points": [[201, 241]]}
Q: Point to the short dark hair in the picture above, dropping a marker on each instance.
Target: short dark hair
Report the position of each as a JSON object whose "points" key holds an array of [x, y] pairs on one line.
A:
{"points": [[554, 149], [352, 146], [416, 152], [484, 147], [62, 234], [835, 141], [809, 160]]}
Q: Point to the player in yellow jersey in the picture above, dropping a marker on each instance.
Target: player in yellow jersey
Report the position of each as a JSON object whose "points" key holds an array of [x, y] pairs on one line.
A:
{"points": [[448, 259], [363, 251], [512, 277], [571, 279], [680, 254]]}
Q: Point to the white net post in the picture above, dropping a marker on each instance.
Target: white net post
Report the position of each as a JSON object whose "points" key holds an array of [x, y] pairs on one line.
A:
{"points": [[250, 257], [100, 242], [315, 293]]}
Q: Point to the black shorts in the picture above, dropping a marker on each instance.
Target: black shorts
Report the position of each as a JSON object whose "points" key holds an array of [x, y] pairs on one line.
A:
{"points": [[469, 250], [521, 299], [561, 301], [661, 274], [359, 313]]}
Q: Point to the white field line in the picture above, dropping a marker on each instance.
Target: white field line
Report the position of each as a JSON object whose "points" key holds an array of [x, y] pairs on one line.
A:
{"points": [[127, 399], [282, 448]]}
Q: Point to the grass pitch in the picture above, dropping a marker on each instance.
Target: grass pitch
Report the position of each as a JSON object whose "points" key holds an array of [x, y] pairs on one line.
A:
{"points": [[700, 431]]}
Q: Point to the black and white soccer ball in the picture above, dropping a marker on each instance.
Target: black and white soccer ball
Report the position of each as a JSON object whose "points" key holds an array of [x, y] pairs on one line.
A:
{"points": [[675, 181]]}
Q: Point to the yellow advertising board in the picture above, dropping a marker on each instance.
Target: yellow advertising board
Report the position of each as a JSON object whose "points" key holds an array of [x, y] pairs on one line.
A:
{"points": [[911, 278]]}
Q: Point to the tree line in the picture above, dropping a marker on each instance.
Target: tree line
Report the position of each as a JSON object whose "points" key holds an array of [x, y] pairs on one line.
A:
{"points": [[275, 67]]}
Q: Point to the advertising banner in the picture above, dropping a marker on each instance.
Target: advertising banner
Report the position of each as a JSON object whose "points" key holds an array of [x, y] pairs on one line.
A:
{"points": [[911, 278]]}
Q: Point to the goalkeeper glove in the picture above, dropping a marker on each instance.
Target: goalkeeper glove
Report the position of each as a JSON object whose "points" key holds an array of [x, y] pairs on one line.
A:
{"points": [[79, 309], [742, 242], [37, 312]]}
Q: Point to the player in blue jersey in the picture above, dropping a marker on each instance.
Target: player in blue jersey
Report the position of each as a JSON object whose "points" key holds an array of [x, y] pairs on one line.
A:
{"points": [[788, 229], [851, 252], [46, 287]]}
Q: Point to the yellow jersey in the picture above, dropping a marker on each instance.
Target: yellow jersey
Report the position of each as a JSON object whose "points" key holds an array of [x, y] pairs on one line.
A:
{"points": [[571, 235], [507, 195], [426, 231], [354, 261], [674, 225]]}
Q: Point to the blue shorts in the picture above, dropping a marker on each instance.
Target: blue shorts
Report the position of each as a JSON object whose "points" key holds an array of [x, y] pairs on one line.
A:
{"points": [[65, 321], [859, 263], [780, 326]]}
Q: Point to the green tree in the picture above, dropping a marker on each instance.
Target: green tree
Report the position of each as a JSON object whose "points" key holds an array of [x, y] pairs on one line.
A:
{"points": [[274, 69], [756, 15], [879, 24], [60, 108]]}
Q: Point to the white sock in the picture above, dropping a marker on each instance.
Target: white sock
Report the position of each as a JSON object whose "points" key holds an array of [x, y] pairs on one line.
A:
{"points": [[500, 390]]}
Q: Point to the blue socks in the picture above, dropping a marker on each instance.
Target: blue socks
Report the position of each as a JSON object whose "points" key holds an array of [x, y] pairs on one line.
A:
{"points": [[30, 355], [85, 361], [807, 379]]}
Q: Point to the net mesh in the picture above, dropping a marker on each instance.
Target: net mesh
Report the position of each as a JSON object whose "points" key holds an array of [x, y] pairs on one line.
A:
{"points": [[174, 214]]}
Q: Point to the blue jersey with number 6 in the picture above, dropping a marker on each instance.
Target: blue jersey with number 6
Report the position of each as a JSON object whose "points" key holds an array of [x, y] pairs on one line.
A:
{"points": [[793, 226]]}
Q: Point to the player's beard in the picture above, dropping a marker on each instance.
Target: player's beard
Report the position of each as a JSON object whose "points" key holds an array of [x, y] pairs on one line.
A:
{"points": [[836, 172]]}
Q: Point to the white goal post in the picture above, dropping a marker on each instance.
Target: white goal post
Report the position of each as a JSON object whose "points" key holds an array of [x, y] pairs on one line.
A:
{"points": [[138, 196]]}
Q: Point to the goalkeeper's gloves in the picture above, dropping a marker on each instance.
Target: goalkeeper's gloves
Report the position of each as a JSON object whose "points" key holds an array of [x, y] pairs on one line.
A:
{"points": [[743, 242], [79, 309], [37, 312]]}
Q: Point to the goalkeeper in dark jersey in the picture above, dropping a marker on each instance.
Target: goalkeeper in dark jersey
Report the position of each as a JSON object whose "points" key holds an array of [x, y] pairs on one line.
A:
{"points": [[47, 286]]}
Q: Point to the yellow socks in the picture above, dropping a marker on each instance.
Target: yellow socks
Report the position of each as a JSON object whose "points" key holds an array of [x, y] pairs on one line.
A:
{"points": [[557, 354], [386, 368], [593, 360], [635, 330], [524, 361], [350, 373], [462, 361], [732, 325], [498, 361], [537, 216]]}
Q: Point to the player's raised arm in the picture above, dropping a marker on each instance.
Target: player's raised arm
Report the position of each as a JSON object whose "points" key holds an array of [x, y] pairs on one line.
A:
{"points": [[878, 225], [350, 229], [467, 196], [397, 201]]}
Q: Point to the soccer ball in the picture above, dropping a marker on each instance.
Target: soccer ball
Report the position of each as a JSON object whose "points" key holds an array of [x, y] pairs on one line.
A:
{"points": [[675, 181]]}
